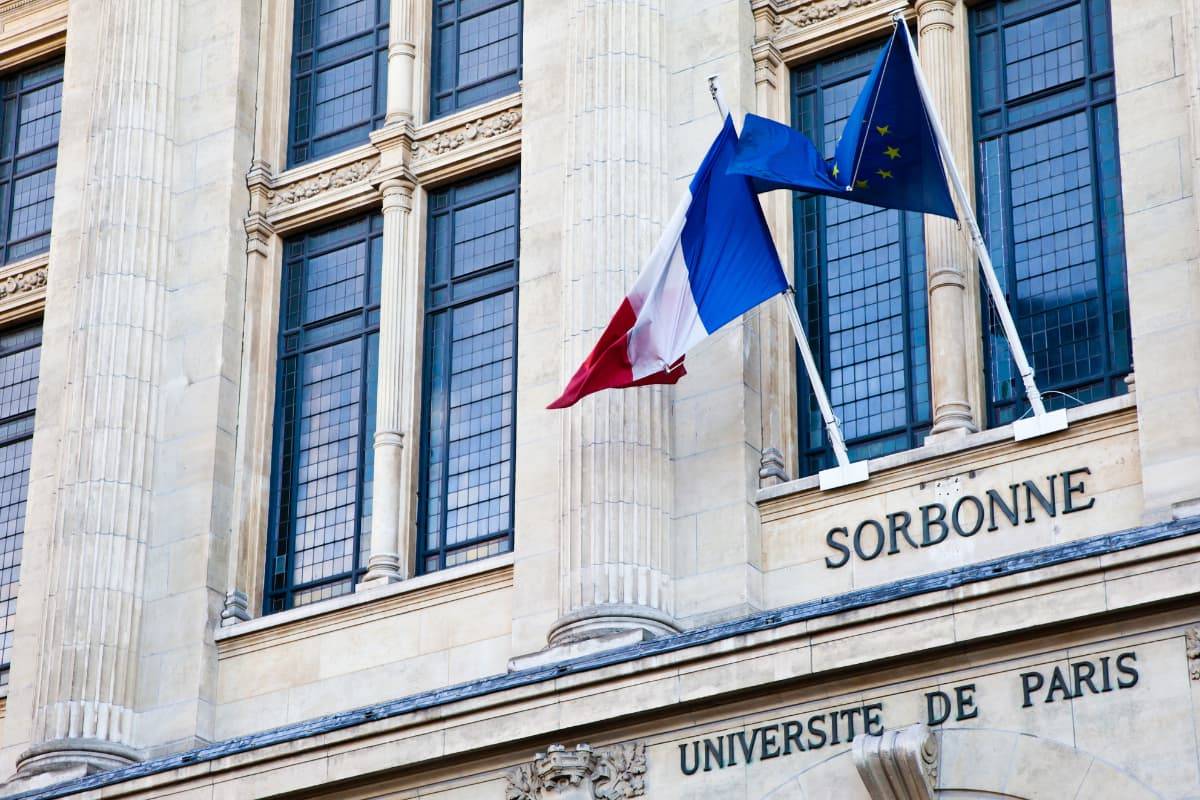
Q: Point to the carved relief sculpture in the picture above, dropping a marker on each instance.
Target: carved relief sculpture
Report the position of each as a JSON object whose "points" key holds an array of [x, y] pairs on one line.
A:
{"points": [[609, 773], [324, 182], [809, 13], [480, 129]]}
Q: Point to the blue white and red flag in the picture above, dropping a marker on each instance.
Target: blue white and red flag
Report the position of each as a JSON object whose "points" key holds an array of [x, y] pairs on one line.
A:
{"points": [[715, 261]]}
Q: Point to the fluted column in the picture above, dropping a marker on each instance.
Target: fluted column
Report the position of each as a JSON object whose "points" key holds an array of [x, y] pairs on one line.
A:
{"points": [[393, 410], [950, 264], [616, 477], [84, 712], [402, 55]]}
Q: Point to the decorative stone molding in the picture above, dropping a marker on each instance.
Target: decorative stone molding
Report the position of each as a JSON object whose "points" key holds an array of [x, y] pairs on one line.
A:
{"points": [[1191, 639], [898, 765], [25, 281], [476, 130], [815, 11], [609, 773], [308, 188]]}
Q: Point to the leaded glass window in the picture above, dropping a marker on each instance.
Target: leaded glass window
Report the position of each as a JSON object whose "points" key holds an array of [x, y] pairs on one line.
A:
{"points": [[20, 350], [324, 419], [339, 75], [476, 52], [860, 287], [1049, 194], [28, 158], [470, 369]]}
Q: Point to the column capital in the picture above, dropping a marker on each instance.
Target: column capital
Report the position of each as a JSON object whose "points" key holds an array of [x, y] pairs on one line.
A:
{"points": [[397, 194], [935, 14]]}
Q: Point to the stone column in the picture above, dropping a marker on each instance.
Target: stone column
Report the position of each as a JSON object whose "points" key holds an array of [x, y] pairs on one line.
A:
{"points": [[950, 263], [84, 708], [616, 471], [394, 403], [402, 55]]}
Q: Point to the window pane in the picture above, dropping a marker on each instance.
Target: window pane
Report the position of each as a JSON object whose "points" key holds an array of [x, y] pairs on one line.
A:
{"points": [[20, 350], [476, 52], [31, 109], [861, 281], [467, 430], [324, 424], [1050, 202], [338, 95]]}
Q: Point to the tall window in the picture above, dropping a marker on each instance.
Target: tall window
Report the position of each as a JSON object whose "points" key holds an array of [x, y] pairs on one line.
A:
{"points": [[324, 419], [1050, 197], [339, 75], [470, 328], [860, 275], [476, 52], [28, 155], [20, 350]]}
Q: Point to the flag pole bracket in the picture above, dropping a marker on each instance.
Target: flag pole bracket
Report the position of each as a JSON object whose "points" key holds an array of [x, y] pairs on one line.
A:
{"points": [[837, 477], [1037, 425]]}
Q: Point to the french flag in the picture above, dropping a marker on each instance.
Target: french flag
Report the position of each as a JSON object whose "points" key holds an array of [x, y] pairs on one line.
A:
{"points": [[715, 261]]}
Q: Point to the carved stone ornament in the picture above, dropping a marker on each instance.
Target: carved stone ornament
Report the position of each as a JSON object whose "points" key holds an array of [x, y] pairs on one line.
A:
{"points": [[480, 129], [609, 773], [22, 282], [1191, 639], [322, 182], [815, 11], [898, 765]]}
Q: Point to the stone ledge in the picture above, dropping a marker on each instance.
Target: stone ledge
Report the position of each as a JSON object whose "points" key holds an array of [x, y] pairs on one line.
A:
{"points": [[962, 452], [340, 612], [573, 686]]}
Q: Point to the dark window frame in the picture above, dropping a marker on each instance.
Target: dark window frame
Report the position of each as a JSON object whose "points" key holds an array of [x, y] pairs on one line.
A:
{"points": [[304, 67], [812, 295], [279, 595], [11, 93], [16, 429], [1097, 86], [433, 308], [439, 88]]}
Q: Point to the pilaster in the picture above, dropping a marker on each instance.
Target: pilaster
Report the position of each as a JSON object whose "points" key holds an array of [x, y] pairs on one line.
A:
{"points": [[84, 711], [953, 318], [616, 479]]}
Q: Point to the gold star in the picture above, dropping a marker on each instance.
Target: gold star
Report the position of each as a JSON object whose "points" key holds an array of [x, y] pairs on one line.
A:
{"points": [[892, 152], [884, 130], [860, 184], [884, 173], [835, 170]]}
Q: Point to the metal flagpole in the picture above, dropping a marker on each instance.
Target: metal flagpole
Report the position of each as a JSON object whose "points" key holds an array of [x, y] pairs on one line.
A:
{"points": [[1043, 421], [846, 472]]}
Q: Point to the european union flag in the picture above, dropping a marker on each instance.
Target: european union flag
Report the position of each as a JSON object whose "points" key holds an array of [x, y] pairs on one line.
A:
{"points": [[887, 156]]}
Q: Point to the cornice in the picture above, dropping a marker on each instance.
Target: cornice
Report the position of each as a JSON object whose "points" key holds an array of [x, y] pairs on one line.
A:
{"points": [[806, 29], [23, 288], [316, 191], [448, 148], [475, 139]]}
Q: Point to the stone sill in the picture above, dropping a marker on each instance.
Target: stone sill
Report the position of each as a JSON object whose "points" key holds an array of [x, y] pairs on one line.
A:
{"points": [[447, 582], [951, 445]]}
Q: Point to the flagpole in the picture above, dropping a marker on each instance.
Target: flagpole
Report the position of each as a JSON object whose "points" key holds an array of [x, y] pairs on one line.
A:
{"points": [[846, 472], [1043, 421]]}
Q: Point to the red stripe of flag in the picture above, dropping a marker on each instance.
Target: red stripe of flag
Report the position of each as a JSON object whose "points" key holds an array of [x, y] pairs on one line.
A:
{"points": [[608, 365]]}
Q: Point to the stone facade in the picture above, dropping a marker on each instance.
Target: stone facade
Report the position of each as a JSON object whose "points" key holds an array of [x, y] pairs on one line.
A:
{"points": [[683, 613]]}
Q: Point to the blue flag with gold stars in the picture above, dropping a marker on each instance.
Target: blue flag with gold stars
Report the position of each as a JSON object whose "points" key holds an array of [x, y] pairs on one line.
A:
{"points": [[887, 156]]}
